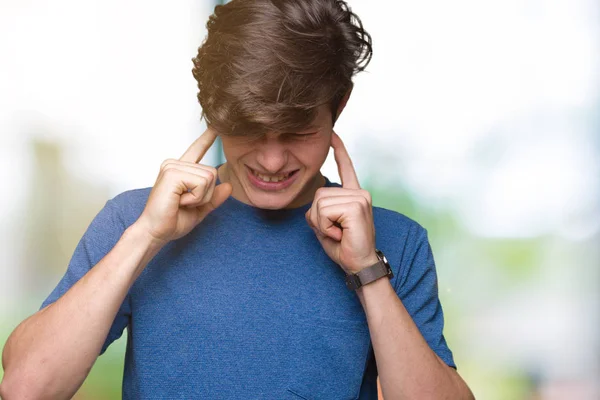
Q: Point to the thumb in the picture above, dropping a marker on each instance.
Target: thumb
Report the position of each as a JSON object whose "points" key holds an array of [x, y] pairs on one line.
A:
{"points": [[221, 193]]}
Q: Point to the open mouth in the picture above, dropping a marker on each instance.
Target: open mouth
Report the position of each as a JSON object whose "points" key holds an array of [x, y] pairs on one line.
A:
{"points": [[271, 182]]}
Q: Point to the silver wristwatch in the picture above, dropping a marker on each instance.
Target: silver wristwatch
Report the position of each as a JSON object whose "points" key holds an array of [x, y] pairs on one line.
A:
{"points": [[370, 274]]}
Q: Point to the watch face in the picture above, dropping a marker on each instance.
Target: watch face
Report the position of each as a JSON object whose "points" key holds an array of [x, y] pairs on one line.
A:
{"points": [[385, 262], [382, 258]]}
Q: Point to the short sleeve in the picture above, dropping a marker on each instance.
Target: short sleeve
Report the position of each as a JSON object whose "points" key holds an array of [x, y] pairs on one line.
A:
{"points": [[417, 287], [101, 236]]}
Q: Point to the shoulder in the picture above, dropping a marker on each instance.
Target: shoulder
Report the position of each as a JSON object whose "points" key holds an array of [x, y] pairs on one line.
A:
{"points": [[130, 204], [405, 244], [395, 223]]}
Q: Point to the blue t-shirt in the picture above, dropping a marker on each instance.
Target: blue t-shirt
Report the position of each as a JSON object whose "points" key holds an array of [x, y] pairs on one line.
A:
{"points": [[249, 306]]}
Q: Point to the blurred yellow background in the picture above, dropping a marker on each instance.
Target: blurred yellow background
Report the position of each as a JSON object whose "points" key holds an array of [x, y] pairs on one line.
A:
{"points": [[479, 119]]}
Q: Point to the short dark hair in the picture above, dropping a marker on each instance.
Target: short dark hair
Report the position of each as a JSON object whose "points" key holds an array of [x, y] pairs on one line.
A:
{"points": [[266, 65]]}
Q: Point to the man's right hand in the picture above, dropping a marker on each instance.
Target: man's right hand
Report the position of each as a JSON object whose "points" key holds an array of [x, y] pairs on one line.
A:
{"points": [[50, 353], [184, 193]]}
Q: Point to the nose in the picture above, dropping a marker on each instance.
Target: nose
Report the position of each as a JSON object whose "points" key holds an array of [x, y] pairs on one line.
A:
{"points": [[272, 154]]}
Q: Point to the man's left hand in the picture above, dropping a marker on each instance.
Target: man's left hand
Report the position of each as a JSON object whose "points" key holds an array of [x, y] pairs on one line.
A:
{"points": [[342, 218]]}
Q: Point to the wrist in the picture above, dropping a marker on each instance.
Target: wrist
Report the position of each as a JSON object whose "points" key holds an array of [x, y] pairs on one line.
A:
{"points": [[371, 273], [131, 254], [375, 286], [364, 263], [138, 233]]}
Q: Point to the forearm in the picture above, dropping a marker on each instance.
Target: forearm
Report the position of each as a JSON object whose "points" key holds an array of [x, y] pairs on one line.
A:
{"points": [[50, 354], [408, 368]]}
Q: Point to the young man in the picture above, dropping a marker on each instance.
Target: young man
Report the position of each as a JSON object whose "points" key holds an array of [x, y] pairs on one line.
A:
{"points": [[260, 279]]}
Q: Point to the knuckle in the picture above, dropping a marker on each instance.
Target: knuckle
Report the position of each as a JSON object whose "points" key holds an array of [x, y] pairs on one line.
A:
{"points": [[169, 172], [213, 171], [357, 205], [367, 195], [365, 202], [322, 191], [166, 163], [320, 203], [210, 177], [205, 182]]}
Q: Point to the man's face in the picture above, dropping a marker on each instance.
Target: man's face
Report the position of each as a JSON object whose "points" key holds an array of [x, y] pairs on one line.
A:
{"points": [[279, 170]]}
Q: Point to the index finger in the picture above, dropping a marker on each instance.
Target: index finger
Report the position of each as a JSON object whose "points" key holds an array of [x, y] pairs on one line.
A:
{"points": [[344, 163], [198, 149]]}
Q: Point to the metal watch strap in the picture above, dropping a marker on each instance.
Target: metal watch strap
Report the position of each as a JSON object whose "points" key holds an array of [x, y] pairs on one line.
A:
{"points": [[370, 274]]}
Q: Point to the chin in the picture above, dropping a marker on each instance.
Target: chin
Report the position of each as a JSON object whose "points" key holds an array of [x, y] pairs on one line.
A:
{"points": [[275, 201]]}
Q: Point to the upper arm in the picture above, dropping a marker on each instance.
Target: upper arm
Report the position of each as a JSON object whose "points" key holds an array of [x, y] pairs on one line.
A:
{"points": [[417, 287], [101, 236]]}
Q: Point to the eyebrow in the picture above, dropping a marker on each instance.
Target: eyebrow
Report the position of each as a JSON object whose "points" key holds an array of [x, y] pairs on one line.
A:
{"points": [[306, 129], [309, 128]]}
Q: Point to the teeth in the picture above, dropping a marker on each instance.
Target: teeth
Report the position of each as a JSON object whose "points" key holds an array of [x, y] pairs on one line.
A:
{"points": [[268, 178]]}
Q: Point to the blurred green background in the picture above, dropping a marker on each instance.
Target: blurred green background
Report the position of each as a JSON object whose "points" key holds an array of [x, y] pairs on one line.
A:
{"points": [[480, 120]]}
